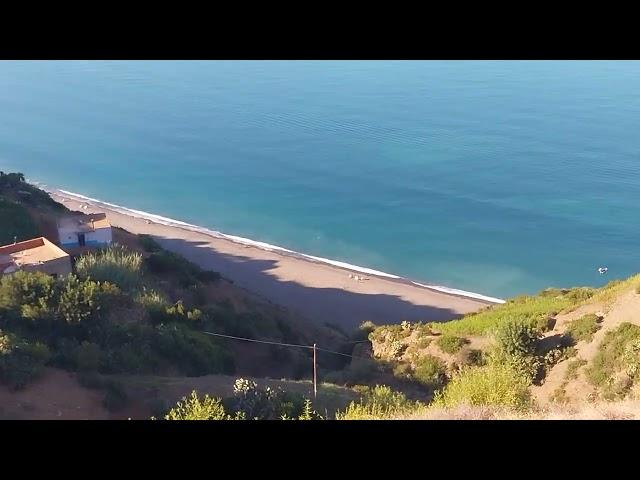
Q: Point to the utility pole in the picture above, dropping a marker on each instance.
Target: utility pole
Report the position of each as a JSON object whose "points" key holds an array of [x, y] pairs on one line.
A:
{"points": [[315, 384]]}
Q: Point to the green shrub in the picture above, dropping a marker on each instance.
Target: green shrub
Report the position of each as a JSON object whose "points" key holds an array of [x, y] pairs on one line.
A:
{"points": [[88, 357], [115, 264], [363, 332], [450, 343], [194, 408], [21, 361], [469, 356], [516, 343], [584, 327], [429, 370], [80, 300], [265, 403], [193, 352], [33, 295], [379, 403], [493, 384], [515, 337], [115, 398]]}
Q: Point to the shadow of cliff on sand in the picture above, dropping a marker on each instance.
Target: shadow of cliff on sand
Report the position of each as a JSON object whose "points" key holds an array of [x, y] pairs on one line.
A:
{"points": [[321, 305]]}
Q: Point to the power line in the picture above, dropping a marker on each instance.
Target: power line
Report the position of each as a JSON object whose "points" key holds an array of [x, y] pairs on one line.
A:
{"points": [[259, 341], [271, 342]]}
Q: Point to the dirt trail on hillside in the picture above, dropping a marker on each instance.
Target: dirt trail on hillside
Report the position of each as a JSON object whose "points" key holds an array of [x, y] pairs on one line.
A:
{"points": [[626, 308]]}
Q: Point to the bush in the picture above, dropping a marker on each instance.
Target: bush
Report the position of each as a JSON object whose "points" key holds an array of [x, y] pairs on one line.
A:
{"points": [[255, 403], [88, 357], [193, 408], [469, 356], [21, 361], [81, 300], [429, 370], [115, 264], [363, 332], [450, 343], [32, 295], [193, 352], [516, 343], [584, 327], [494, 384], [379, 403], [115, 398], [517, 338]]}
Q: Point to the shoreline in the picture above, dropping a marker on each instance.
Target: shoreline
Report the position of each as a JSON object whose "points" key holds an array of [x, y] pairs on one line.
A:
{"points": [[170, 222], [320, 289]]}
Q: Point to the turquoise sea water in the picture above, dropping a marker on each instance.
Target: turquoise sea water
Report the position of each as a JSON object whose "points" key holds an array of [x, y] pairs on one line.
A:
{"points": [[495, 177]]}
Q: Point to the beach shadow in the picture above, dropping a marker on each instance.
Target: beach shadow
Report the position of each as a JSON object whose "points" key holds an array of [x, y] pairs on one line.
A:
{"points": [[320, 305]]}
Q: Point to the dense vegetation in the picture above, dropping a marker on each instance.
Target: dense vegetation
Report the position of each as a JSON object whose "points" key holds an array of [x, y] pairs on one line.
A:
{"points": [[77, 321], [15, 222]]}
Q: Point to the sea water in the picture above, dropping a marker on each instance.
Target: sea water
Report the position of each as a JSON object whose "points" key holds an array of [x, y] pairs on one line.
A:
{"points": [[497, 177]]}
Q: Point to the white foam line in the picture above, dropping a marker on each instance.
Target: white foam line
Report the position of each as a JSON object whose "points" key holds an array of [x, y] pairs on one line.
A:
{"points": [[455, 291], [262, 245]]}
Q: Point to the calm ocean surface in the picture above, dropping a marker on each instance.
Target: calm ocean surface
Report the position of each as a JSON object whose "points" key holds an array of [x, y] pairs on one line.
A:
{"points": [[495, 177]]}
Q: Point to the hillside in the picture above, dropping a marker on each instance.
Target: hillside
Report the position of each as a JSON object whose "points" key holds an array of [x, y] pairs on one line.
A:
{"points": [[571, 353], [136, 310]]}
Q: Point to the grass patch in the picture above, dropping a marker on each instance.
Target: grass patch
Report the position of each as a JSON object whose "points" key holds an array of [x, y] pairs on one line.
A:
{"points": [[572, 368], [429, 370], [615, 366], [494, 384], [535, 310], [559, 395], [583, 328], [379, 403], [15, 222], [608, 293], [450, 343], [115, 264]]}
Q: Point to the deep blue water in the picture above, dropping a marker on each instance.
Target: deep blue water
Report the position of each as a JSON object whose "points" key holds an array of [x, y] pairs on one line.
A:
{"points": [[495, 177]]}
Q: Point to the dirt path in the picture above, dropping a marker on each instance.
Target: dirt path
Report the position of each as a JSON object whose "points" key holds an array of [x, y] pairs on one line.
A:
{"points": [[625, 309], [55, 396]]}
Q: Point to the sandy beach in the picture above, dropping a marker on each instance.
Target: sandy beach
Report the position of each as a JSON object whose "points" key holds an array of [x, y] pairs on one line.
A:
{"points": [[320, 292]]}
